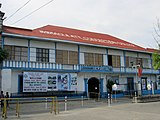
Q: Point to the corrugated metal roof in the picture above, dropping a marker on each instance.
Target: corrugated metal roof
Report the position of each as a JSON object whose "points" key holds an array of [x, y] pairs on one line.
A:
{"points": [[74, 35]]}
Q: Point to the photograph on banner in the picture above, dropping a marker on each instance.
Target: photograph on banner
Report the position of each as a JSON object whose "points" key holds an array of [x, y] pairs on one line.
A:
{"points": [[52, 81], [35, 82], [144, 84], [74, 83], [63, 81]]}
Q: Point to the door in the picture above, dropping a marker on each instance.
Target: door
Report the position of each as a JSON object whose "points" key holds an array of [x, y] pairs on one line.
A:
{"points": [[130, 85]]}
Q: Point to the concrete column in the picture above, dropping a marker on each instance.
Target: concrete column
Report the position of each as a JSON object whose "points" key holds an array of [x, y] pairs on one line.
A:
{"points": [[6, 80]]}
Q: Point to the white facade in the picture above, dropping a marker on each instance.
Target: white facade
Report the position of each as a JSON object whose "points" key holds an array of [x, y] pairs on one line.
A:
{"points": [[10, 76]]}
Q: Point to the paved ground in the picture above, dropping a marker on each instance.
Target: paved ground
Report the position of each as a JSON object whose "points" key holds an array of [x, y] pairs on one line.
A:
{"points": [[125, 111]]}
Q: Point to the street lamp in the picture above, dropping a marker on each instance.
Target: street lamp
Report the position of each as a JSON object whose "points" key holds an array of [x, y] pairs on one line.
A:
{"points": [[139, 85]]}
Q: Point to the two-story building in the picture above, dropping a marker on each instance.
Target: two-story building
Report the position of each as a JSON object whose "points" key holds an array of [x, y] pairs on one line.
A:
{"points": [[53, 58]]}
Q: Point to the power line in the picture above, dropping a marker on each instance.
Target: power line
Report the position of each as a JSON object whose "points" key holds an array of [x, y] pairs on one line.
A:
{"points": [[32, 12], [18, 10]]}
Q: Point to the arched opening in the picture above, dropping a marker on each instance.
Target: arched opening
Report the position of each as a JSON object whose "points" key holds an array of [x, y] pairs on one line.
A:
{"points": [[93, 87]]}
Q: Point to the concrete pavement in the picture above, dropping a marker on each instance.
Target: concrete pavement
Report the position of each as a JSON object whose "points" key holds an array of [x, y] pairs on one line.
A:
{"points": [[127, 111]]}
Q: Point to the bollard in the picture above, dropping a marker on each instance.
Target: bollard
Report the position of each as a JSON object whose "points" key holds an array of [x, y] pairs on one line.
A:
{"points": [[111, 99], [98, 96], [108, 100], [65, 104], [46, 104], [82, 101], [115, 96], [135, 99]]}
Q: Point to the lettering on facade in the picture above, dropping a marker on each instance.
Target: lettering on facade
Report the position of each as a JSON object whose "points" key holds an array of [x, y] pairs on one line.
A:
{"points": [[86, 38], [98, 68]]}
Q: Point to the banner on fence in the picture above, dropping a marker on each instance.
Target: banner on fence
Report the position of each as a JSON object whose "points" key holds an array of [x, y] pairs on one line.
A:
{"points": [[43, 82], [34, 82]]}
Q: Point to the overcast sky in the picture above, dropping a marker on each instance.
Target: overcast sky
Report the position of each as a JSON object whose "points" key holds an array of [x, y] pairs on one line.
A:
{"points": [[130, 20]]}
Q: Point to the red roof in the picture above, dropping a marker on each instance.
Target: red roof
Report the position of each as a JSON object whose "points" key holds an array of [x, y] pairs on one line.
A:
{"points": [[152, 50], [74, 35]]}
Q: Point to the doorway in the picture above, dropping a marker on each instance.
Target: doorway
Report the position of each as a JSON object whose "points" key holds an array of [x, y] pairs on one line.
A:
{"points": [[20, 83], [130, 85], [93, 87]]}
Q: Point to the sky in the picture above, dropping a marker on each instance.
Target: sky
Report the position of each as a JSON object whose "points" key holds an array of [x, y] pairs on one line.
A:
{"points": [[129, 20]]}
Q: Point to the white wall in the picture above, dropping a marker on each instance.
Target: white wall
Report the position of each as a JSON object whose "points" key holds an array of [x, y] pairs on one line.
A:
{"points": [[14, 82], [82, 58], [142, 55], [6, 80], [131, 54], [80, 80], [42, 44], [92, 49], [105, 61], [16, 42], [10, 80], [115, 52], [81, 76], [122, 61], [65, 46]]}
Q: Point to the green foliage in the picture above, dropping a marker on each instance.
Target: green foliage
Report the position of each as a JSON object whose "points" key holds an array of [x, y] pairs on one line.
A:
{"points": [[3, 54], [156, 60], [109, 85]]}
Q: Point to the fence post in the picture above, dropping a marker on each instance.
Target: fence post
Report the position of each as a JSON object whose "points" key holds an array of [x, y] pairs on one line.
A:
{"points": [[46, 104], [57, 105], [52, 105], [4, 114], [65, 104], [17, 108]]}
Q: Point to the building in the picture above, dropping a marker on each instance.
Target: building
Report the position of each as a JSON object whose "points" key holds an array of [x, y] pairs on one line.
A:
{"points": [[51, 58]]}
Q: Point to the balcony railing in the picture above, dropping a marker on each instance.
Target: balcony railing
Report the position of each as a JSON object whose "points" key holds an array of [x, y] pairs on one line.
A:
{"points": [[75, 68], [38, 65]]}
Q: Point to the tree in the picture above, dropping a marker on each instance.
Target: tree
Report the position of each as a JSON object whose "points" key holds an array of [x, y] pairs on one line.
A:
{"points": [[156, 54], [156, 36], [3, 54], [156, 60]]}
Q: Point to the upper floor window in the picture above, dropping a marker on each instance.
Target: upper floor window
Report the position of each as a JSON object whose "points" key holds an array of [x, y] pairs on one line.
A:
{"points": [[114, 60], [146, 63], [66, 57], [93, 59], [143, 62], [42, 55], [17, 53]]}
